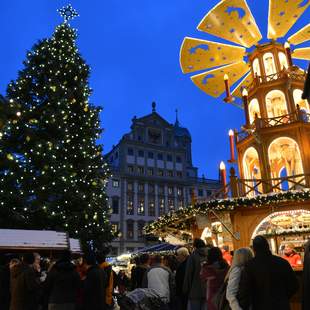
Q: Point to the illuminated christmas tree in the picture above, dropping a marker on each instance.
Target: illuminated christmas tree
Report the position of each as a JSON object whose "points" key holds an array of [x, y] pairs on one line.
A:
{"points": [[54, 175]]}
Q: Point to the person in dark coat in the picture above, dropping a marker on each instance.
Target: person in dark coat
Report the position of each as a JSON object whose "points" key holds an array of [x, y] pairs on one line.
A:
{"points": [[213, 274], [182, 256], [25, 289], [95, 285], [306, 92], [138, 272], [193, 287], [306, 279], [62, 284], [4, 284], [267, 281]]}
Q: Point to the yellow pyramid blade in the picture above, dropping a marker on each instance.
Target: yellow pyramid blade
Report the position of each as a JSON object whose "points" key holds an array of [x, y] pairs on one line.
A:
{"points": [[199, 54], [300, 36], [283, 14], [212, 82], [232, 20], [247, 80], [302, 53]]}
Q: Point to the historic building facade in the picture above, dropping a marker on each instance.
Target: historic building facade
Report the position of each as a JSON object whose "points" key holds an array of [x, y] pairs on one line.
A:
{"points": [[152, 175]]}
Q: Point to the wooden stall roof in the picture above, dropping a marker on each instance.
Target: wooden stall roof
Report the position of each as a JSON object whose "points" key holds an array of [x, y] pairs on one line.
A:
{"points": [[39, 240]]}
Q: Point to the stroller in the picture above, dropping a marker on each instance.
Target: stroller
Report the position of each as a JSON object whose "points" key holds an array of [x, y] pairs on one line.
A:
{"points": [[142, 299]]}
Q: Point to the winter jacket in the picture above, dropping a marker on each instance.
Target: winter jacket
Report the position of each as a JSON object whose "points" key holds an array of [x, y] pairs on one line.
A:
{"points": [[4, 288], [294, 259], [159, 279], [213, 275], [306, 278], [137, 276], [179, 278], [233, 288], [267, 283], [95, 286], [110, 282], [193, 287], [62, 283], [25, 289]]}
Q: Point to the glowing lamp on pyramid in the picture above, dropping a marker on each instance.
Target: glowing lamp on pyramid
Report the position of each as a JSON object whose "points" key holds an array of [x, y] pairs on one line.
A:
{"points": [[233, 21]]}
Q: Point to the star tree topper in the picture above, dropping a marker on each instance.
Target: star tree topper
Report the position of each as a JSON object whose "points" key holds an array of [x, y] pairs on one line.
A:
{"points": [[68, 13]]}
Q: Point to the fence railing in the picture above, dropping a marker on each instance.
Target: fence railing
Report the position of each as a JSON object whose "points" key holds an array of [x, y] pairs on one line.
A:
{"points": [[294, 75], [253, 187], [297, 116]]}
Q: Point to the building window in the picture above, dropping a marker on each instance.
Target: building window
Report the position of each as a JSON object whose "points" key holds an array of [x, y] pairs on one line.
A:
{"points": [[170, 190], [170, 173], [140, 230], [179, 174], [130, 169], [178, 159], [141, 170], [114, 227], [151, 210], [171, 204], [116, 155], [151, 188], [150, 155], [115, 205], [141, 188], [130, 249], [200, 192], [129, 187], [180, 203], [130, 151], [115, 183], [161, 190], [160, 172], [160, 156], [141, 153], [114, 251], [130, 210], [169, 157], [130, 229], [161, 205], [150, 171], [141, 206], [180, 191]]}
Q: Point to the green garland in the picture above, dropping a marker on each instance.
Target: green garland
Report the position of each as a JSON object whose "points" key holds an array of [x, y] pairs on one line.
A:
{"points": [[172, 219]]}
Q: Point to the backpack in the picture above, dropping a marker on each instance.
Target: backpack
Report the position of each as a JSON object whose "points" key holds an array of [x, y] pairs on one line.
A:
{"points": [[220, 300]]}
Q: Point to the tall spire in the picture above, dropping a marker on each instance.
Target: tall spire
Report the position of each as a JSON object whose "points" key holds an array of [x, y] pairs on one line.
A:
{"points": [[177, 117], [153, 106]]}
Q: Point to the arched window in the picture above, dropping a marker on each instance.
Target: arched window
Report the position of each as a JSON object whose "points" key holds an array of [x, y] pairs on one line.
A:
{"points": [[270, 67], [280, 223], [276, 104], [284, 153], [303, 104], [282, 60], [256, 67], [253, 109], [252, 172]]}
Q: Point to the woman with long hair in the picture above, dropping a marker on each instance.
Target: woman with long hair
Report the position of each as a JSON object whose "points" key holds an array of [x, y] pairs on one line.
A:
{"points": [[241, 257]]}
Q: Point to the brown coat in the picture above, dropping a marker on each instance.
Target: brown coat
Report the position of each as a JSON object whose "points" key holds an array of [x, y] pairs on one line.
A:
{"points": [[24, 288]]}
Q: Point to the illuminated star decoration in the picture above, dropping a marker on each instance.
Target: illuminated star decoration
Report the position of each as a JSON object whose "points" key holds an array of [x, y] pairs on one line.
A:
{"points": [[68, 13]]}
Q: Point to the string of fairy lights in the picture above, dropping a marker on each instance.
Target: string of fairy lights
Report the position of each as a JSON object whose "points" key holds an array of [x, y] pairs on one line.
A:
{"points": [[55, 130], [182, 218]]}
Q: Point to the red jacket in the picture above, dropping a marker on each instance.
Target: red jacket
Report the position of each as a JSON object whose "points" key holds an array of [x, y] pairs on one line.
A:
{"points": [[294, 259]]}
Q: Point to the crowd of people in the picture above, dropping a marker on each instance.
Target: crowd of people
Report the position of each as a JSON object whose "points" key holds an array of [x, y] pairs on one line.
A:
{"points": [[205, 278]]}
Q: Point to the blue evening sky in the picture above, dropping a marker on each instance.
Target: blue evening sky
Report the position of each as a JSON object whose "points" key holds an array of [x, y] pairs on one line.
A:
{"points": [[133, 50]]}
